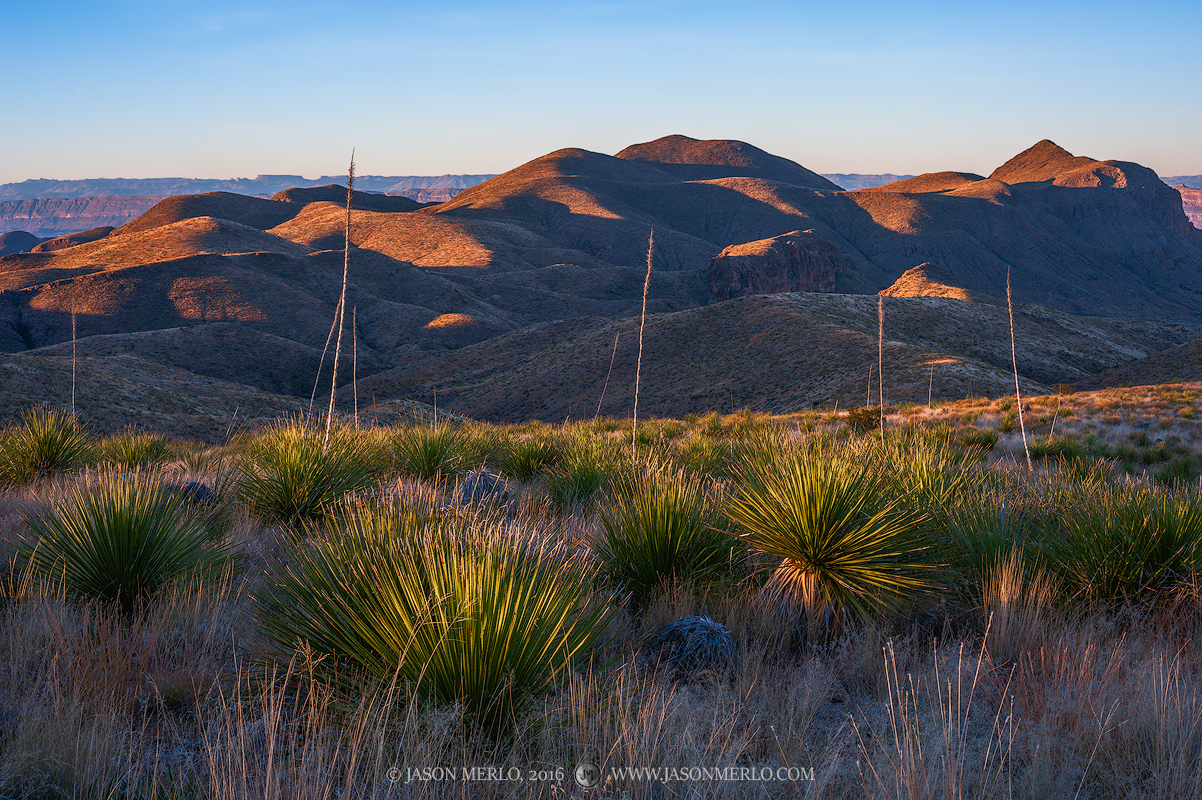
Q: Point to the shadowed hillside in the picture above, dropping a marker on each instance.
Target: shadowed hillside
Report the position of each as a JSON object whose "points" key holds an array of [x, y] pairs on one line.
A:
{"points": [[777, 353], [477, 294], [1174, 365]]}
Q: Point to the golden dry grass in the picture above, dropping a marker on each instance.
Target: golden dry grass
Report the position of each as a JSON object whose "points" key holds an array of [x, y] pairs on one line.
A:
{"points": [[1012, 699]]}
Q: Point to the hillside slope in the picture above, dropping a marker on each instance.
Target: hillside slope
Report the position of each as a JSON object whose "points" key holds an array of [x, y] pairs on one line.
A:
{"points": [[476, 294], [778, 353]]}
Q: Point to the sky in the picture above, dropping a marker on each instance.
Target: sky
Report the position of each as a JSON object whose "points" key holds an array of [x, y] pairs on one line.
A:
{"points": [[236, 89]]}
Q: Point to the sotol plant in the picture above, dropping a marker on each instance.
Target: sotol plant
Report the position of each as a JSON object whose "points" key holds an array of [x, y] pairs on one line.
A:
{"points": [[48, 442], [840, 544], [657, 527], [1131, 546], [135, 450], [291, 477], [432, 452], [121, 539], [464, 609]]}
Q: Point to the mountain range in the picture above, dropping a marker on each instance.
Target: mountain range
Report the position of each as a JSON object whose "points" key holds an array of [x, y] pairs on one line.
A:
{"points": [[506, 300], [48, 208]]}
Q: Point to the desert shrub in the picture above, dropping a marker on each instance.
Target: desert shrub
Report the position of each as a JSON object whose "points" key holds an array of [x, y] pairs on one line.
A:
{"points": [[1183, 469], [1064, 447], [863, 419], [924, 469], [135, 450], [121, 538], [526, 457], [657, 527], [291, 477], [1126, 545], [983, 534], [462, 608], [977, 439], [748, 423], [705, 455], [433, 452], [1009, 421], [47, 442], [840, 544], [689, 649], [671, 429], [587, 468]]}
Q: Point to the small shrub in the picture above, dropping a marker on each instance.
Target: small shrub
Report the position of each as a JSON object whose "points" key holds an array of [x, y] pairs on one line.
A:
{"points": [[586, 469], [48, 442], [121, 539], [705, 455], [926, 472], [1009, 419], [974, 438], [1131, 546], [1183, 469], [671, 429], [1063, 447], [525, 458], [657, 528], [689, 649], [864, 419]]}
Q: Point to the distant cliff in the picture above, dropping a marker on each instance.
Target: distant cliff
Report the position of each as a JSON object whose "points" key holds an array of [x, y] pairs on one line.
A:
{"points": [[854, 180], [261, 186], [55, 217], [1191, 201], [49, 208]]}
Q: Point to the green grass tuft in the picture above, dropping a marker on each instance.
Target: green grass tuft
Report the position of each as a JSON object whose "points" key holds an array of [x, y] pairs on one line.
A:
{"points": [[433, 452], [135, 450], [1130, 546]]}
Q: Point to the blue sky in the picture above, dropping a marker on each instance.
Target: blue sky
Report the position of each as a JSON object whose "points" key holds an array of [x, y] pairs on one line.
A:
{"points": [[220, 90]]}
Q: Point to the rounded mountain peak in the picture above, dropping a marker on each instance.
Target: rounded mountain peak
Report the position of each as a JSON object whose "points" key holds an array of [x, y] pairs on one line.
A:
{"points": [[710, 159], [1043, 161]]}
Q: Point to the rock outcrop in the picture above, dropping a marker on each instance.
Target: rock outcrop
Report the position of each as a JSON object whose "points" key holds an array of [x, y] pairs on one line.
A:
{"points": [[798, 261], [1047, 162], [928, 280], [1191, 202]]}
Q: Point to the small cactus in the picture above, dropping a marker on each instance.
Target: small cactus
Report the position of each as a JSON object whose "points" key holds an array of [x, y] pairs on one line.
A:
{"points": [[689, 648]]}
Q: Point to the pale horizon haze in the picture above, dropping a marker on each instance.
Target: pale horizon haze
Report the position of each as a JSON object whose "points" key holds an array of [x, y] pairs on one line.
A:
{"points": [[224, 90]]}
